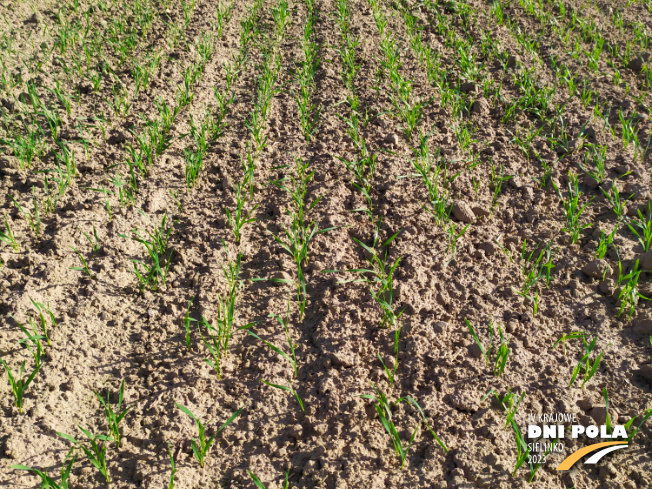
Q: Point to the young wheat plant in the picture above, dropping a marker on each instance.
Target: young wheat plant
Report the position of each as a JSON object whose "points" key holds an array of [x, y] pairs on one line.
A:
{"points": [[384, 410], [201, 445]]}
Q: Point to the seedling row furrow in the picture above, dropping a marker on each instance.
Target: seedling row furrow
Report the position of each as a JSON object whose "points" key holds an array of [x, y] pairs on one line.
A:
{"points": [[216, 334], [363, 165], [622, 49], [587, 96]]}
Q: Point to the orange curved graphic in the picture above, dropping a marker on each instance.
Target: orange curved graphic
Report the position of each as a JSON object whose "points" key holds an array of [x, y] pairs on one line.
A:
{"points": [[574, 457]]}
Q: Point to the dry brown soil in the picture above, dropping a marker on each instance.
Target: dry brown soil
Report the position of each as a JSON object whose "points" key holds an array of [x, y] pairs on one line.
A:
{"points": [[109, 330]]}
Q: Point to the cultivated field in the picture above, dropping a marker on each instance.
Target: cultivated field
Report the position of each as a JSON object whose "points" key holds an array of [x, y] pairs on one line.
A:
{"points": [[323, 243]]}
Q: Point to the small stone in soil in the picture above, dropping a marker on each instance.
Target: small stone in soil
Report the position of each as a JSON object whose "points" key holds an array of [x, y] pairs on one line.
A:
{"points": [[463, 212], [391, 139]]}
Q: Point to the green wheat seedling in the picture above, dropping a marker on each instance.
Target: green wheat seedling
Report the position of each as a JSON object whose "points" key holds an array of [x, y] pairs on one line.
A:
{"points": [[8, 236], [260, 485], [42, 311], [48, 482], [569, 336], [464, 132], [308, 113], [20, 383], [412, 112], [209, 131], [384, 410], [644, 226], [224, 100], [239, 217], [121, 103], [362, 166], [52, 198], [256, 126], [167, 115], [598, 155], [363, 169], [605, 396], [256, 480], [102, 190], [547, 172], [213, 343], [572, 208], [161, 235], [194, 163], [249, 167], [205, 47], [613, 197], [629, 294], [96, 453], [434, 178], [630, 128], [148, 142], [502, 248], [584, 363], [63, 98], [95, 79], [33, 220], [299, 235], [391, 373], [224, 14], [158, 140], [380, 272], [497, 183], [400, 95], [220, 336], [524, 142], [32, 340], [453, 238], [188, 10], [510, 404], [53, 119], [632, 432], [114, 417], [292, 357], [25, 147], [66, 161], [282, 19], [134, 160], [286, 388], [393, 318], [533, 272], [185, 94], [502, 352], [175, 34], [173, 468], [158, 251], [534, 468], [604, 242], [94, 241], [126, 193], [186, 322], [141, 74], [201, 445], [84, 268], [177, 200]]}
